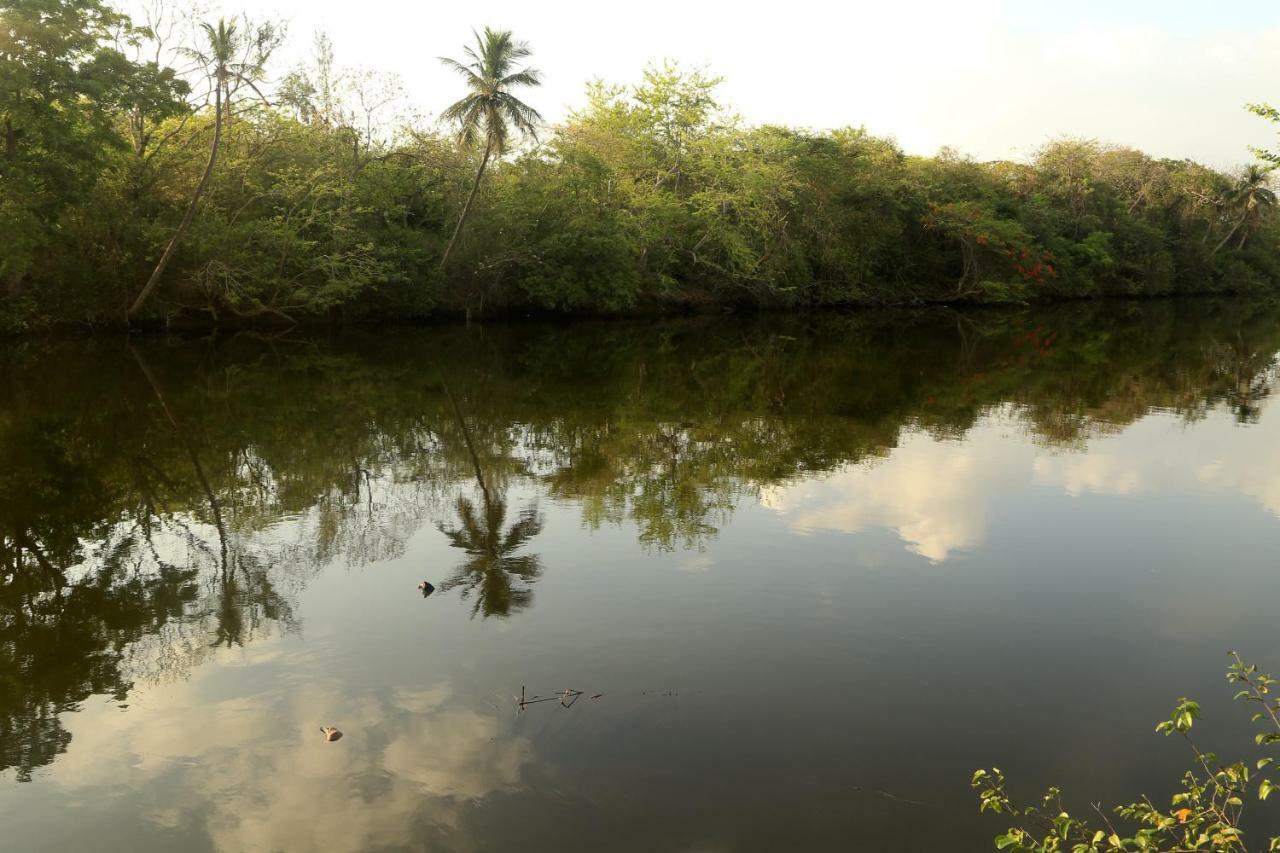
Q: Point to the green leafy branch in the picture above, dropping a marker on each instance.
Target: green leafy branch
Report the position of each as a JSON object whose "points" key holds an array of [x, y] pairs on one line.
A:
{"points": [[1204, 816]]}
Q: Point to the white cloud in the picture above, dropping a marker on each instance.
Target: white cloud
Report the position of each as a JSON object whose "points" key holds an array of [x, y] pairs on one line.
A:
{"points": [[263, 777], [935, 494]]}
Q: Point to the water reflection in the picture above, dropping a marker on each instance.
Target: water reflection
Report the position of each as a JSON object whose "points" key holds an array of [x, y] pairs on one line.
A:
{"points": [[495, 574], [494, 565], [166, 507], [410, 759], [934, 495]]}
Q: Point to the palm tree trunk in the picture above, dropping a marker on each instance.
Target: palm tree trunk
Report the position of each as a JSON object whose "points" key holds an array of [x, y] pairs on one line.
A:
{"points": [[471, 448], [466, 209], [10, 141], [191, 208], [1230, 234], [1244, 235], [191, 452]]}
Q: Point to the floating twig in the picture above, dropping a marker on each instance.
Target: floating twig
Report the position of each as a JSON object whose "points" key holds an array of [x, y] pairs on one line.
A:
{"points": [[565, 697], [889, 796]]}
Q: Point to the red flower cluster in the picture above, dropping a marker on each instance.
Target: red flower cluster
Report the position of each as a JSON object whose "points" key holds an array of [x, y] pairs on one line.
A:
{"points": [[1037, 271]]}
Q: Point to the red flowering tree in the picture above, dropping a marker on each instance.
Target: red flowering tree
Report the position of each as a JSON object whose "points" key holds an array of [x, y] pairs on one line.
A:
{"points": [[992, 249]]}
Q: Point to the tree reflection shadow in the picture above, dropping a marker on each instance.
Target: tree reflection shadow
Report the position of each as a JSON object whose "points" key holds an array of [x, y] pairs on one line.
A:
{"points": [[150, 518], [495, 573]]}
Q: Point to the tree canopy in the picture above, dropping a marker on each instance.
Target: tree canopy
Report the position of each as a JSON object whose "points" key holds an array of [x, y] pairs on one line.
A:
{"points": [[330, 199]]}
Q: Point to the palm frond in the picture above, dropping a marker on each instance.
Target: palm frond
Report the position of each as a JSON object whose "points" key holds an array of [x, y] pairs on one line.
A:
{"points": [[466, 71], [529, 526], [460, 110], [525, 77], [490, 70], [527, 567], [524, 117]]}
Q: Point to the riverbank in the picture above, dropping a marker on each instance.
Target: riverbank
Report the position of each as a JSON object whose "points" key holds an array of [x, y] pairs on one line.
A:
{"points": [[202, 324], [648, 196]]}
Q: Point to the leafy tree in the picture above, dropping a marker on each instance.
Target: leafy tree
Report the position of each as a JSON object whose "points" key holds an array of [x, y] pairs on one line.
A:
{"points": [[61, 83], [332, 204]]}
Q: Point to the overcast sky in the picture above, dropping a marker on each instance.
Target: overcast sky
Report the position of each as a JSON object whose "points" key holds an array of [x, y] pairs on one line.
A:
{"points": [[993, 78]]}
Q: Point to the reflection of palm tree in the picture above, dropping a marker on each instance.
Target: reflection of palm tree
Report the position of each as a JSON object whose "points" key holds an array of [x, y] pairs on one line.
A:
{"points": [[245, 602], [494, 563], [1250, 378]]}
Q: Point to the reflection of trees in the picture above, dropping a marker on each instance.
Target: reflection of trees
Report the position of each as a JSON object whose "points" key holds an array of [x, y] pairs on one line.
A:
{"points": [[71, 621], [495, 572], [245, 597], [61, 642], [247, 601], [1245, 373], [151, 514], [675, 483]]}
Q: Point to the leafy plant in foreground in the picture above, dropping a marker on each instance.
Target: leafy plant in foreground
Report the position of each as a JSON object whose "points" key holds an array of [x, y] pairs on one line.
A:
{"points": [[1204, 816]]}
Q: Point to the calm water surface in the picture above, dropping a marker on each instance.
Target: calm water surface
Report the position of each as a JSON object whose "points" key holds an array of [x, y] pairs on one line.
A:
{"points": [[809, 573]]}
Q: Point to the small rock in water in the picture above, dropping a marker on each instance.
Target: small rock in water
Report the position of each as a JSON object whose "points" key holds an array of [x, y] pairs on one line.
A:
{"points": [[330, 733]]}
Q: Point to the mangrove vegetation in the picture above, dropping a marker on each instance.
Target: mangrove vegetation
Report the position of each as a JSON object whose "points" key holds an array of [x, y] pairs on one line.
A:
{"points": [[168, 170]]}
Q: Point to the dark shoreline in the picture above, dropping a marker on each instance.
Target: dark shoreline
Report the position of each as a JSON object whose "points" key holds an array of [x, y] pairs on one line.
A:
{"points": [[195, 326]]}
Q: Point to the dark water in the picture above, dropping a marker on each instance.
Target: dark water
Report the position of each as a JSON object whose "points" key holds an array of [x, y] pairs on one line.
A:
{"points": [[817, 570]]}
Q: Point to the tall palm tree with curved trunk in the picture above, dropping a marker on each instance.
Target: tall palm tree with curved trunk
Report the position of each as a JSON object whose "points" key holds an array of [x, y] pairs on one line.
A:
{"points": [[1251, 196], [489, 111], [232, 56]]}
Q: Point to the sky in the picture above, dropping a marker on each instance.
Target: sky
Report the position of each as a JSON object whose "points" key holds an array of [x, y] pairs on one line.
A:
{"points": [[991, 78]]}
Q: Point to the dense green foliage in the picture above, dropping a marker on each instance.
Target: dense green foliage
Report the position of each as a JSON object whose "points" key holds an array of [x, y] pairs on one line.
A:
{"points": [[323, 203]]}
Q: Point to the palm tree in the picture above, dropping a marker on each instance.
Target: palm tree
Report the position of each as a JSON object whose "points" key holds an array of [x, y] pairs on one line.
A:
{"points": [[1251, 196], [490, 110], [231, 58]]}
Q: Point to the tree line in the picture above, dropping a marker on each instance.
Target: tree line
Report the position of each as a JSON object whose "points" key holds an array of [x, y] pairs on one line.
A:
{"points": [[157, 170]]}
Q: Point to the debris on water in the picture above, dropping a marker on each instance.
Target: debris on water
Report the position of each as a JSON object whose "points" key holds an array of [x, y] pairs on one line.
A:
{"points": [[597, 696], [426, 588], [330, 733], [889, 796], [566, 698]]}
